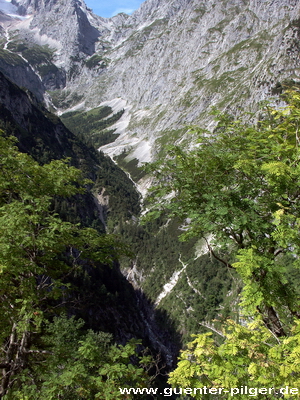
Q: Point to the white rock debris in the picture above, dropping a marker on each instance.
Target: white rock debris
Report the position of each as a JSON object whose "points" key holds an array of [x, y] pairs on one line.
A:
{"points": [[168, 287]]}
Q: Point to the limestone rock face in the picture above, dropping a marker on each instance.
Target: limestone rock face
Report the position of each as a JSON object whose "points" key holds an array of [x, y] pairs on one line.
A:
{"points": [[63, 25], [166, 64]]}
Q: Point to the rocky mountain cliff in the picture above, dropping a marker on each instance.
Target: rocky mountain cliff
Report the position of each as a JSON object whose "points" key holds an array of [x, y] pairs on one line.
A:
{"points": [[166, 64]]}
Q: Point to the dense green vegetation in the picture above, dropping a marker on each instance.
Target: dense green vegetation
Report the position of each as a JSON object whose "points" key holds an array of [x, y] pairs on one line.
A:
{"points": [[40, 57], [45, 138], [239, 191], [158, 253], [72, 273], [131, 166], [64, 98], [11, 59], [93, 125], [44, 355], [96, 61], [82, 364]]}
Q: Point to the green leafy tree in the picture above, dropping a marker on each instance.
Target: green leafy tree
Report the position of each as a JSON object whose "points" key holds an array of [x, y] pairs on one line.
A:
{"points": [[83, 365], [38, 251], [239, 190]]}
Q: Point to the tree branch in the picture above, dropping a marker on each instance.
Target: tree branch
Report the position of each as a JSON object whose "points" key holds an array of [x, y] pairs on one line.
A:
{"points": [[215, 256]]}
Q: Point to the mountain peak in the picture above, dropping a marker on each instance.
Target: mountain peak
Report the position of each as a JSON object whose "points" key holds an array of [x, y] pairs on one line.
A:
{"points": [[65, 22], [33, 6]]}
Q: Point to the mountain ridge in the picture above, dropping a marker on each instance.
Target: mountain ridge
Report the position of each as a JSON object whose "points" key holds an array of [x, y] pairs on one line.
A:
{"points": [[191, 50]]}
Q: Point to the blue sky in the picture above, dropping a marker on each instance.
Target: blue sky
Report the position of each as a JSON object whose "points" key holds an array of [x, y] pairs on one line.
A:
{"points": [[108, 8]]}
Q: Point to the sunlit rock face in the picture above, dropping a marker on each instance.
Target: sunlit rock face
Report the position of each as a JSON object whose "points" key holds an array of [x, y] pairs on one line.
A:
{"points": [[166, 64]]}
